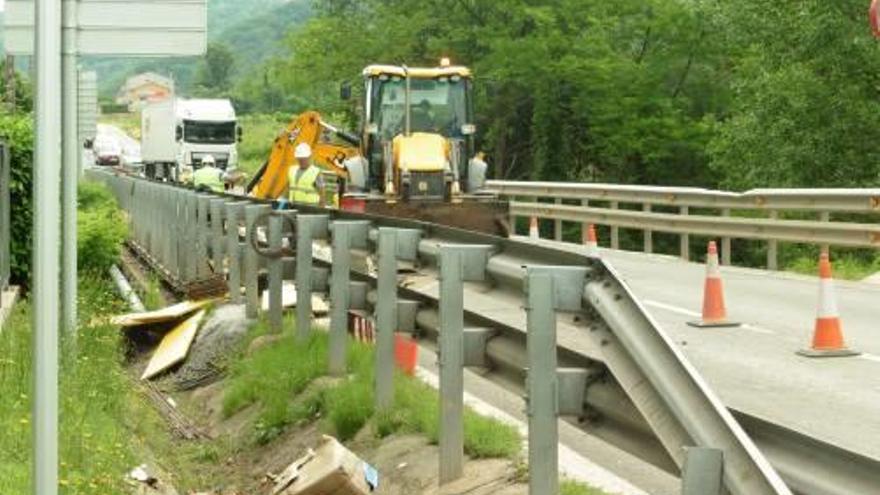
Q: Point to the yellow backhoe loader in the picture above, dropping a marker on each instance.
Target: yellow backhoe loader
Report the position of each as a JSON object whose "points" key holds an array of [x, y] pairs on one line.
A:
{"points": [[414, 155]]}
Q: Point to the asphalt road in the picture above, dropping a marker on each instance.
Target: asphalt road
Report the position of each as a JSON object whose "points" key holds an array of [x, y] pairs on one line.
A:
{"points": [[754, 368], [131, 148]]}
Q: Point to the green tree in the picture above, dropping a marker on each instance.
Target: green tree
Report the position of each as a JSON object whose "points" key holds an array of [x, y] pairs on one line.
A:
{"points": [[215, 71]]}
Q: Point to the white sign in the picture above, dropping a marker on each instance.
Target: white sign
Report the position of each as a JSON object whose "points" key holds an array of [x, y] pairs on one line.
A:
{"points": [[120, 27], [88, 105]]}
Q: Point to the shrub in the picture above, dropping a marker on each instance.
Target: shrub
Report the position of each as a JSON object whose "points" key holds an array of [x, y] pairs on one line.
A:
{"points": [[101, 228], [17, 131]]}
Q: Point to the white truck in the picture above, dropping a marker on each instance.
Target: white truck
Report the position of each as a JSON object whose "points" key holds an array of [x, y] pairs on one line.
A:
{"points": [[178, 133]]}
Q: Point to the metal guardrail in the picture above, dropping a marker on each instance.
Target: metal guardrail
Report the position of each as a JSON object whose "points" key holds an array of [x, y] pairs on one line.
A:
{"points": [[823, 203], [614, 367]]}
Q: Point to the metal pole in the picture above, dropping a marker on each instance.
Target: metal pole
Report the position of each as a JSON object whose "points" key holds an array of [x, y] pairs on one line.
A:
{"points": [[649, 234], [275, 275], [725, 243], [615, 230], [386, 317], [451, 342], [543, 402], [303, 278], [251, 264], [46, 246], [702, 471], [339, 298], [233, 215], [684, 239], [772, 247], [69, 169], [217, 240], [10, 83], [557, 225]]}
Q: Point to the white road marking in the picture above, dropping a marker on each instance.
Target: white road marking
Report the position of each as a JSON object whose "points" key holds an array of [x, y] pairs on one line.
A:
{"points": [[572, 465], [694, 314], [670, 308], [870, 357]]}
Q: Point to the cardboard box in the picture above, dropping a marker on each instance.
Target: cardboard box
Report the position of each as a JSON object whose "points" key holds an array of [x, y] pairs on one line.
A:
{"points": [[329, 469]]}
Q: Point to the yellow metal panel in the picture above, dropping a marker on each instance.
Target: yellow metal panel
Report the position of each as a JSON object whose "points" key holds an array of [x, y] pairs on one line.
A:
{"points": [[421, 152], [174, 346], [169, 313]]}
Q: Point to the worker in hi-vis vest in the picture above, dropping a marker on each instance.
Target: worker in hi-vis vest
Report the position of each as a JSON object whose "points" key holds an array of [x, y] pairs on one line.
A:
{"points": [[209, 177], [304, 182]]}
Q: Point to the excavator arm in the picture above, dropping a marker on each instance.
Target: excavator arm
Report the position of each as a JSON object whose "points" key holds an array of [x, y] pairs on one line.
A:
{"points": [[270, 181]]}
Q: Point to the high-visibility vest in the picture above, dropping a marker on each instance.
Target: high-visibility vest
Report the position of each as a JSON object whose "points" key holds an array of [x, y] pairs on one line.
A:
{"points": [[210, 177], [304, 190]]}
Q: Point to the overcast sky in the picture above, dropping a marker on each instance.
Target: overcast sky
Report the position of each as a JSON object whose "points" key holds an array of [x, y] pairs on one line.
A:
{"points": [[1, 4]]}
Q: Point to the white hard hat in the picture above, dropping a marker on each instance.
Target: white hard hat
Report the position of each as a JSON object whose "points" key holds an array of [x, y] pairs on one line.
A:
{"points": [[208, 160], [303, 150]]}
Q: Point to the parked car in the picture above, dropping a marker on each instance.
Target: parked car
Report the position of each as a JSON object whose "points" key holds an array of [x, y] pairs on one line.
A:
{"points": [[107, 151]]}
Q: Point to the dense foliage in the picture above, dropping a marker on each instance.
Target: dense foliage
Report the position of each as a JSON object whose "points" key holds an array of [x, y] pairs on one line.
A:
{"points": [[733, 94], [17, 131], [101, 228]]}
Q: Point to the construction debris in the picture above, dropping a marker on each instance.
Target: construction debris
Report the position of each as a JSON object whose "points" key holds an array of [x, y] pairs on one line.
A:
{"points": [[174, 346], [180, 425], [329, 468], [216, 341], [288, 300], [164, 315]]}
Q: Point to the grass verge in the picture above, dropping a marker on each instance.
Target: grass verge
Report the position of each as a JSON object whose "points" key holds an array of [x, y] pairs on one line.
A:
{"points": [[277, 378]]}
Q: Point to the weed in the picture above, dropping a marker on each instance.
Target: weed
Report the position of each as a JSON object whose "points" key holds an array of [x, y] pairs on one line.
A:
{"points": [[568, 487]]}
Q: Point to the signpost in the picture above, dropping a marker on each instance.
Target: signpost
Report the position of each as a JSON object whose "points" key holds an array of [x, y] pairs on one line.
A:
{"points": [[90, 27]]}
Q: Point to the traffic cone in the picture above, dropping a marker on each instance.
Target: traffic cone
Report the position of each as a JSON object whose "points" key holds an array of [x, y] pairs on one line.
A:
{"points": [[533, 228], [589, 239], [827, 334], [714, 312]]}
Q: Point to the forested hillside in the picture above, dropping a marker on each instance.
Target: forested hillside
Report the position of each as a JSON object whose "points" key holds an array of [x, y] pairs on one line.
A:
{"points": [[733, 94], [250, 30]]}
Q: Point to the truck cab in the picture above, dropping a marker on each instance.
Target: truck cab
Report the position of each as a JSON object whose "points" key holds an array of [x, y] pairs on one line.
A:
{"points": [[177, 134]]}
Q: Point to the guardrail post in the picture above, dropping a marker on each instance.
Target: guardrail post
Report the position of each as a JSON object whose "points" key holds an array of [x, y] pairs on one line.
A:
{"points": [[308, 227], [615, 231], [274, 267], [772, 247], [725, 242], [684, 239], [393, 244], [548, 289], [458, 263], [345, 236], [251, 272], [217, 240], [204, 233], [557, 225], [585, 226], [649, 234], [702, 471], [189, 238], [824, 216], [234, 213]]}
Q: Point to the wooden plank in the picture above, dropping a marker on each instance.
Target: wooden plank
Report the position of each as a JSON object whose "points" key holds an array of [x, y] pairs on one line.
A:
{"points": [[174, 346], [170, 313]]}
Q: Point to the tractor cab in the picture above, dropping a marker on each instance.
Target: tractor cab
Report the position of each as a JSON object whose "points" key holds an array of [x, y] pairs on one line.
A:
{"points": [[418, 130]]}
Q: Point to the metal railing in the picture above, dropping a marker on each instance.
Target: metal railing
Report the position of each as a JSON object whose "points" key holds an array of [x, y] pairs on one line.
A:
{"points": [[614, 366], [757, 214]]}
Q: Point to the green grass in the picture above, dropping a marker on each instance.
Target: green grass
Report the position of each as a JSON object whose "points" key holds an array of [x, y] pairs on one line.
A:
{"points": [[848, 266], [568, 487], [94, 444], [276, 376], [258, 135]]}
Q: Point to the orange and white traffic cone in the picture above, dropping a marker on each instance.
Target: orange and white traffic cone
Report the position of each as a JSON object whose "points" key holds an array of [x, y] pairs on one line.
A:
{"points": [[533, 228], [589, 239], [714, 312], [828, 334]]}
